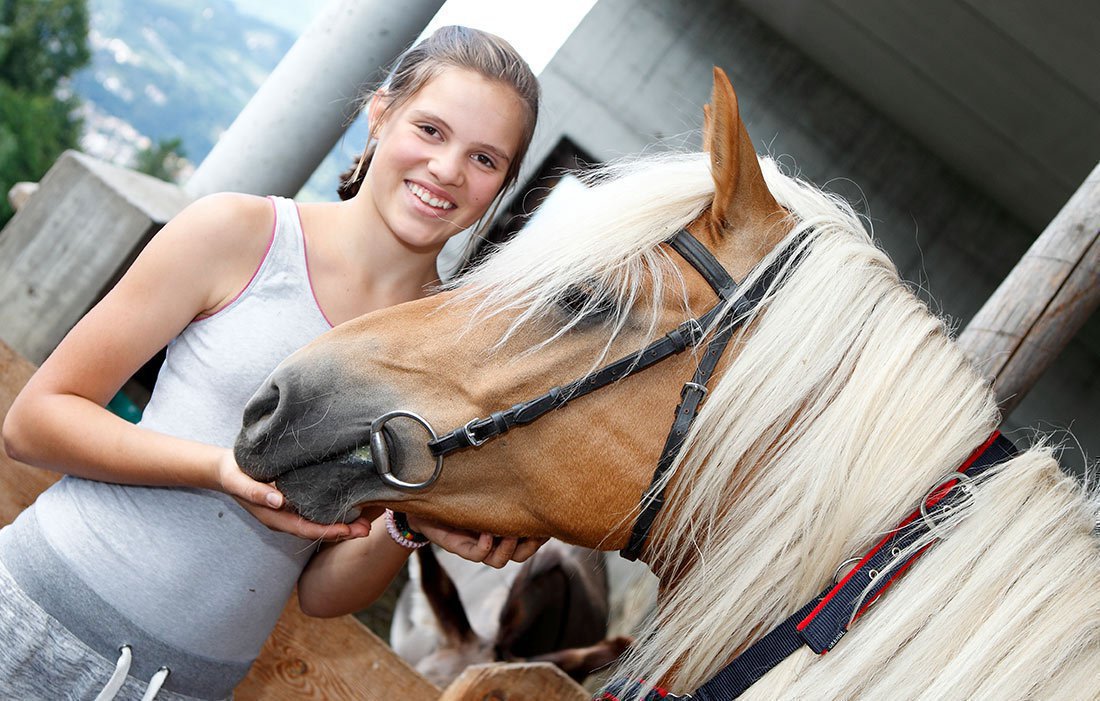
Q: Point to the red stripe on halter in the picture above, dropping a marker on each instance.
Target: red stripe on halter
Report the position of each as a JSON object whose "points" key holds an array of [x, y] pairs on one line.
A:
{"points": [[939, 494]]}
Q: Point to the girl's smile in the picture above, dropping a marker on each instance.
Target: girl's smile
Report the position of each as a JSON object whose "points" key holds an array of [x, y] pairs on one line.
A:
{"points": [[430, 196]]}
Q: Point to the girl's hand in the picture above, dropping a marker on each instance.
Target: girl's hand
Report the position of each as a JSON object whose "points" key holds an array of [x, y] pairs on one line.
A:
{"points": [[265, 502], [230, 479], [475, 547], [292, 523]]}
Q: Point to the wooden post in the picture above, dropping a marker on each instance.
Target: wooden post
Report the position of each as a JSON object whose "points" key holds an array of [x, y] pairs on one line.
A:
{"points": [[20, 484], [528, 681], [1043, 302], [333, 659]]}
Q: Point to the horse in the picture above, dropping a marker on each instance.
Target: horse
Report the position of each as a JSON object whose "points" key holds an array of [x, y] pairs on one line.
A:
{"points": [[552, 608], [839, 404]]}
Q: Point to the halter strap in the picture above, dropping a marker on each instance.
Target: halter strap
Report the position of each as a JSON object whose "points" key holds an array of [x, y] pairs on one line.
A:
{"points": [[693, 391], [824, 620], [689, 333]]}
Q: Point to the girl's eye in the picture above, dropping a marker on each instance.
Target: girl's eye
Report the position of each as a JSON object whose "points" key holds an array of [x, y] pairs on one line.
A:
{"points": [[485, 161], [429, 129]]}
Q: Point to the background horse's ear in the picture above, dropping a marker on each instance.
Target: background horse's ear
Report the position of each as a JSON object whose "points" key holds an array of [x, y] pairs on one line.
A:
{"points": [[740, 193]]}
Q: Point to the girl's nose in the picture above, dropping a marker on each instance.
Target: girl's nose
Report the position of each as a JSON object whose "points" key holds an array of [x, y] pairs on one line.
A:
{"points": [[446, 167]]}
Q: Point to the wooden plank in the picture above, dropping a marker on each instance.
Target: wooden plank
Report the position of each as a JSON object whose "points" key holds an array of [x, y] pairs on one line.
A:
{"points": [[330, 659], [1043, 302], [526, 681], [20, 484]]}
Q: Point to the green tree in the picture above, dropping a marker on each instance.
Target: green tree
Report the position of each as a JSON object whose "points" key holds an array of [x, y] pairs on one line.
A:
{"points": [[41, 43], [163, 160]]}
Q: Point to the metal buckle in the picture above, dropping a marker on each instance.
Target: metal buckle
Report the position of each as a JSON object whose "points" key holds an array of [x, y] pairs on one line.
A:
{"points": [[469, 433], [693, 385], [849, 561], [695, 329], [380, 452], [964, 482]]}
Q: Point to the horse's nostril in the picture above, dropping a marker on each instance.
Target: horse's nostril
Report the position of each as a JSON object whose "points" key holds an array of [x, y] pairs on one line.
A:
{"points": [[262, 405]]}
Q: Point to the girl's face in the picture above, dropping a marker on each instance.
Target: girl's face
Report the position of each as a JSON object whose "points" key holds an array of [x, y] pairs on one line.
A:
{"points": [[442, 156]]}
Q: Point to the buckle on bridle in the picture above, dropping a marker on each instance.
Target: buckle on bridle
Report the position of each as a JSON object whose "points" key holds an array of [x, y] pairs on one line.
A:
{"points": [[702, 389], [468, 432]]}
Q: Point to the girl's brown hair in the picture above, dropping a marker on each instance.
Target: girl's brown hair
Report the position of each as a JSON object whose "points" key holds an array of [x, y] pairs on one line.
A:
{"points": [[455, 47]]}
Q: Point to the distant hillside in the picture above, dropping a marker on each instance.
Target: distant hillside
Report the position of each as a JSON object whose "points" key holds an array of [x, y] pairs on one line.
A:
{"points": [[167, 68], [173, 68]]}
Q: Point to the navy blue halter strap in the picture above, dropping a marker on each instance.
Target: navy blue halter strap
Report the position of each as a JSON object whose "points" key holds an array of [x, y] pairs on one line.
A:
{"points": [[824, 620]]}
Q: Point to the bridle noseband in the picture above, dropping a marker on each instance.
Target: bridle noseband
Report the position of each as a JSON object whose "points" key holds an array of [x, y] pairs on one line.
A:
{"points": [[721, 320]]}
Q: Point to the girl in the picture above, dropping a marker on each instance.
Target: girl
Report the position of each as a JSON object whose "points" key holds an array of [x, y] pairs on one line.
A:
{"points": [[141, 571]]}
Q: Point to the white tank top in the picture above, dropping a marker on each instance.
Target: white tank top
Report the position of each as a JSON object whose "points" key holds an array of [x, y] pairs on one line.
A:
{"points": [[190, 566]]}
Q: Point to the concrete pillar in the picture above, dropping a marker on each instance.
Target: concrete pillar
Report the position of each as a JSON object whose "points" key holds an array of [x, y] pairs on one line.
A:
{"points": [[298, 114], [70, 243]]}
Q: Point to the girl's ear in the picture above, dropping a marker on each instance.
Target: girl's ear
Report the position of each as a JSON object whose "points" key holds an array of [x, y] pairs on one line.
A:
{"points": [[376, 110]]}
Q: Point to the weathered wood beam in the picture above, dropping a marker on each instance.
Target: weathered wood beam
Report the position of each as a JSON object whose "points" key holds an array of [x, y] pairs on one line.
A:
{"points": [[523, 681], [330, 659], [1043, 302]]}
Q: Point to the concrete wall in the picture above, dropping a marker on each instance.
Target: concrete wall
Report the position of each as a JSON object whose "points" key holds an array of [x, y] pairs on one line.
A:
{"points": [[981, 83], [637, 72]]}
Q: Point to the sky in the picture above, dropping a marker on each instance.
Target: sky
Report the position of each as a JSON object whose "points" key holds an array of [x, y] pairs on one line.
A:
{"points": [[536, 28]]}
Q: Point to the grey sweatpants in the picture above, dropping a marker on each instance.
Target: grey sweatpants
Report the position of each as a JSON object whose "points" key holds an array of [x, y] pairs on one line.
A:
{"points": [[41, 660]]}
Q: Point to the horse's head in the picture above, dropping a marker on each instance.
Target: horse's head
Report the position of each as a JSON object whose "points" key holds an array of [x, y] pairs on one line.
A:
{"points": [[568, 294]]}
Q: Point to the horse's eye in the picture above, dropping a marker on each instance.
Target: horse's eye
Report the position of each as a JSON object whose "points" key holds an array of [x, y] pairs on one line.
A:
{"points": [[578, 301]]}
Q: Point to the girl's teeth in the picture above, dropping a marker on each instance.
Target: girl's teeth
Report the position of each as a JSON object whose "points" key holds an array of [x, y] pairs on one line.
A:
{"points": [[426, 197]]}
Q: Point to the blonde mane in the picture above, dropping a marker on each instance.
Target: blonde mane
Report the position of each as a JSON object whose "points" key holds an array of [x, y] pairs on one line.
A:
{"points": [[845, 403]]}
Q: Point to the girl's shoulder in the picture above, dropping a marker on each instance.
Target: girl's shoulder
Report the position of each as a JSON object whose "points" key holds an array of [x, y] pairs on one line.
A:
{"points": [[216, 242], [227, 229], [226, 219]]}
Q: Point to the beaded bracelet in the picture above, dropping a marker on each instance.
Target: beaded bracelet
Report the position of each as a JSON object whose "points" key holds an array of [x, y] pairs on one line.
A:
{"points": [[397, 525]]}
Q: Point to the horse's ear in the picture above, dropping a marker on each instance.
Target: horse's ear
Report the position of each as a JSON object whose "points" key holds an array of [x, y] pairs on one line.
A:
{"points": [[739, 187], [706, 128]]}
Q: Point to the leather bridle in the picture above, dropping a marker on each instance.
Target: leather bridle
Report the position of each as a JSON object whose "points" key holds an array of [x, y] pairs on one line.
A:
{"points": [[721, 320]]}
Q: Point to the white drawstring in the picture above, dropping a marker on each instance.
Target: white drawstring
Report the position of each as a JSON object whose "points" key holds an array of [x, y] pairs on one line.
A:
{"points": [[122, 668], [118, 677], [155, 684]]}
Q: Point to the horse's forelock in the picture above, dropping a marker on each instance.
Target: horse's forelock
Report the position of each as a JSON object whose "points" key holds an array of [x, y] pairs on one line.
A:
{"points": [[605, 241]]}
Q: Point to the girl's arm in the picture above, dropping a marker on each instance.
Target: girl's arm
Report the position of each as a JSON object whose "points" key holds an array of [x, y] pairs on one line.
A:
{"points": [[349, 576], [195, 264]]}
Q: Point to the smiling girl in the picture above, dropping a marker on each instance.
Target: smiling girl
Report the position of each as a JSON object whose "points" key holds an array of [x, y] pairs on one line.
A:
{"points": [[142, 573]]}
